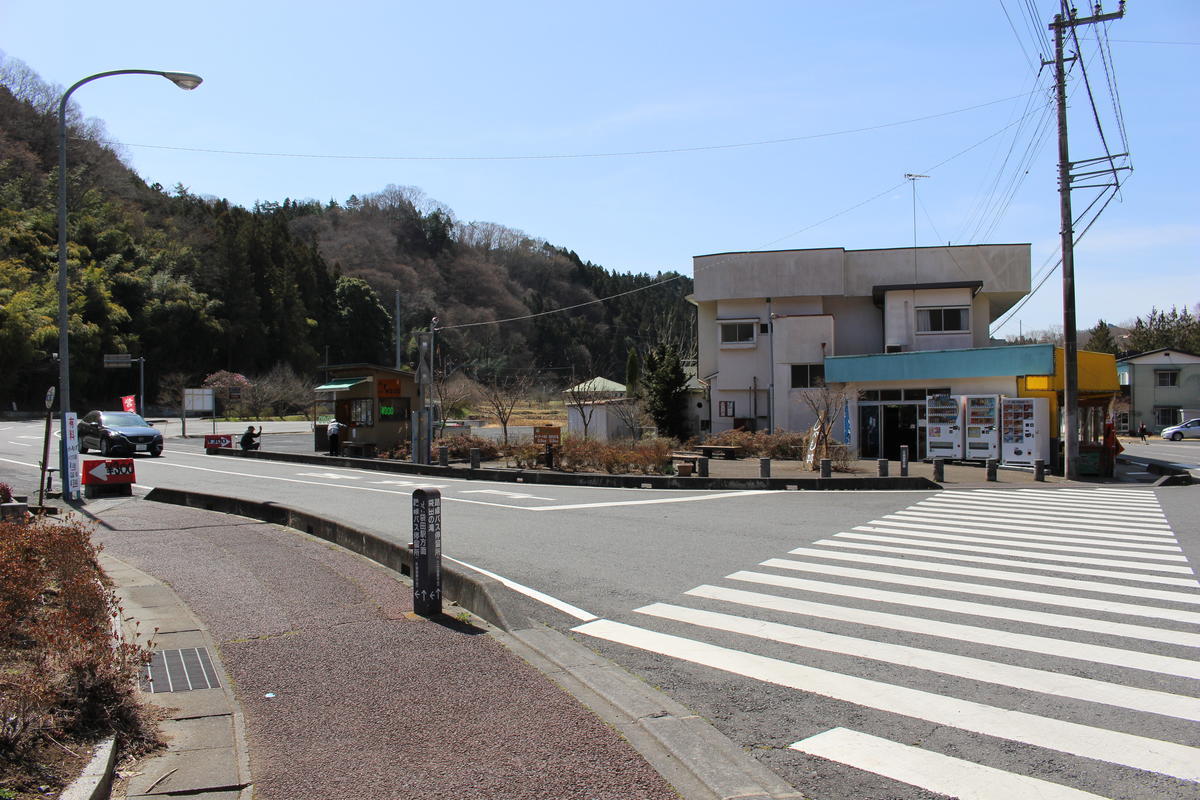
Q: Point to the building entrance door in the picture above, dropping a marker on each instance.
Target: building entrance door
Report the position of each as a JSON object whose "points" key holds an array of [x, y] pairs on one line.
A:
{"points": [[900, 428], [869, 431]]}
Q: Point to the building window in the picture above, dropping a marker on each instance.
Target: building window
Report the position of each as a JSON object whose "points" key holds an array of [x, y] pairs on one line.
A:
{"points": [[808, 376], [1165, 416], [735, 333], [360, 411], [944, 320], [1167, 377]]}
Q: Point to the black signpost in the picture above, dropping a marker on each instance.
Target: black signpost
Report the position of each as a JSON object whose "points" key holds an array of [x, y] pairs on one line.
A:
{"points": [[427, 552]]}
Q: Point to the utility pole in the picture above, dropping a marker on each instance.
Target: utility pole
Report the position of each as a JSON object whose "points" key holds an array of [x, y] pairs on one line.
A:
{"points": [[1060, 25]]}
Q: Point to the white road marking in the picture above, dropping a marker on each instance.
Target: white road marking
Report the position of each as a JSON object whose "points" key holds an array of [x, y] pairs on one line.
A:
{"points": [[987, 590], [973, 669], [976, 609], [331, 485], [413, 484], [1139, 752], [657, 501], [932, 771], [332, 476], [1101, 519], [903, 537], [1012, 562], [927, 531], [509, 495], [541, 597], [1023, 576], [1045, 645], [1014, 531], [1140, 499]]}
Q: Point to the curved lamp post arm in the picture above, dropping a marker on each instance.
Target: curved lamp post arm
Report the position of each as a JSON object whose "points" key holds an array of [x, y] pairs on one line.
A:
{"points": [[184, 80]]}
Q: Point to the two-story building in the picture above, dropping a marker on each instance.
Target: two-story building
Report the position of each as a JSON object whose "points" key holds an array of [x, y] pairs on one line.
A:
{"points": [[1163, 388], [887, 327], [768, 320]]}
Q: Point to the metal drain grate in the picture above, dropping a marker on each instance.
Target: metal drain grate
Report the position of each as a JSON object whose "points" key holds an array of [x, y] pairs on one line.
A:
{"points": [[180, 671]]}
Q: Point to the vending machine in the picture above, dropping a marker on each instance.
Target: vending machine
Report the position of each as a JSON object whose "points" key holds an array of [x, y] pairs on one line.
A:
{"points": [[943, 426], [982, 426], [1024, 429]]}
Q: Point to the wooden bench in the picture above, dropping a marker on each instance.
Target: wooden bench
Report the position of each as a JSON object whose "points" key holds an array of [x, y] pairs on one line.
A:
{"points": [[726, 451], [358, 449], [687, 458]]}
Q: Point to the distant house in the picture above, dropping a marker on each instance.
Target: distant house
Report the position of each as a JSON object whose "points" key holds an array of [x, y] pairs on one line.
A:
{"points": [[598, 403], [595, 389], [1162, 387]]}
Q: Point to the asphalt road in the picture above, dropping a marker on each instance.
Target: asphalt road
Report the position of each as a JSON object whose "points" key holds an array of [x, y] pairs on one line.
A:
{"points": [[982, 643]]}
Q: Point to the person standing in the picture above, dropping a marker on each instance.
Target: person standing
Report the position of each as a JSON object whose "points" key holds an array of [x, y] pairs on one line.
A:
{"points": [[334, 430], [1142, 433]]}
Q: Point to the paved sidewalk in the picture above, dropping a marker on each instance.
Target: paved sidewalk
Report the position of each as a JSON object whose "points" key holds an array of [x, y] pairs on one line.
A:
{"points": [[345, 693]]}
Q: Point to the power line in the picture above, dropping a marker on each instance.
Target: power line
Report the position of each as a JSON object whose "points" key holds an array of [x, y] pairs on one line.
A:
{"points": [[557, 310], [553, 156], [893, 187]]}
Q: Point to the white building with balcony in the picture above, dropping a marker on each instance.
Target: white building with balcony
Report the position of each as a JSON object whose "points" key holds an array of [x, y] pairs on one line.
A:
{"points": [[768, 322]]}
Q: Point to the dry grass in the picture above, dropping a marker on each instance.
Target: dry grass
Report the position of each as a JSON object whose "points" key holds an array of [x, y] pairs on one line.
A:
{"points": [[66, 677]]}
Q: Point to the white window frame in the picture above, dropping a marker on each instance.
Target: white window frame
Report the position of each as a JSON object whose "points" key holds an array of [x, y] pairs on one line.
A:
{"points": [[751, 322], [1172, 376], [926, 313]]}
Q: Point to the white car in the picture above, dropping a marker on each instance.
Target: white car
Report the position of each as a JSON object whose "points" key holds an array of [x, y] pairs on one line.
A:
{"points": [[1184, 430]]}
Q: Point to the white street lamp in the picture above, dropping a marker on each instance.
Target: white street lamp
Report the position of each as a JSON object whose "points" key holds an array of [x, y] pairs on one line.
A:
{"points": [[184, 80]]}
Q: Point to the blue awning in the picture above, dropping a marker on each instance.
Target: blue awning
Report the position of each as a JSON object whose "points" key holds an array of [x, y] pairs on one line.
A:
{"points": [[940, 365]]}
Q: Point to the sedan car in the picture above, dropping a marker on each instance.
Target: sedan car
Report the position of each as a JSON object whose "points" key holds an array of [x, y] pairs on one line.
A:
{"points": [[118, 433], [1184, 430]]}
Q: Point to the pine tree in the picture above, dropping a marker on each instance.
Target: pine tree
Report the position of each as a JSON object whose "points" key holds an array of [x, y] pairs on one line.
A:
{"points": [[665, 384], [1100, 339]]}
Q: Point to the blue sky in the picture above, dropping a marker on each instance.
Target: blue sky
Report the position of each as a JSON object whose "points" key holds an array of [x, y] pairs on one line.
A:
{"points": [[472, 102]]}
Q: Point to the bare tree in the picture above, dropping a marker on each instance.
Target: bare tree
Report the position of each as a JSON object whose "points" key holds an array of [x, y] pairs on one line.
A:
{"points": [[454, 392], [500, 393], [827, 405], [630, 412]]}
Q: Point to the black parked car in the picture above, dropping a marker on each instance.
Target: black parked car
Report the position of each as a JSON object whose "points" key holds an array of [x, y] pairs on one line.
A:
{"points": [[118, 433]]}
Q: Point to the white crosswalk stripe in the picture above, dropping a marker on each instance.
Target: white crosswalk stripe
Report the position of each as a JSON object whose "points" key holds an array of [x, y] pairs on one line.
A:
{"points": [[961, 611]]}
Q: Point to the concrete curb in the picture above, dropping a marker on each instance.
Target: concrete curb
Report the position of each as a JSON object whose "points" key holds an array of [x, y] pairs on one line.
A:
{"points": [[549, 478], [197, 769], [96, 779], [697, 759]]}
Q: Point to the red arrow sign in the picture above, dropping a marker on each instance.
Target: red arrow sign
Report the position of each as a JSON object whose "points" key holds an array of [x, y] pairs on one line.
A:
{"points": [[217, 440], [107, 473]]}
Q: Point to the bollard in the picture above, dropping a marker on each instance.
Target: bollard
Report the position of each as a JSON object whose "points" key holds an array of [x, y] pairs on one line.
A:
{"points": [[474, 458], [826, 467], [549, 456], [764, 468], [939, 470], [883, 467], [903, 461], [443, 455], [427, 552], [702, 467], [991, 469], [1039, 470]]}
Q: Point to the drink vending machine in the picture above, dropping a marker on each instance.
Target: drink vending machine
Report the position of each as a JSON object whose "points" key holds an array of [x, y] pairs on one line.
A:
{"points": [[982, 437], [943, 426], [1024, 429]]}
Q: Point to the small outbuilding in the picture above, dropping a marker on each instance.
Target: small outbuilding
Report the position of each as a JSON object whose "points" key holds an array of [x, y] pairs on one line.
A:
{"points": [[374, 402]]}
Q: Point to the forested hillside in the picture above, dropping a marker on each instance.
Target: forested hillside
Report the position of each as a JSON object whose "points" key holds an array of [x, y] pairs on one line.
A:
{"points": [[196, 284]]}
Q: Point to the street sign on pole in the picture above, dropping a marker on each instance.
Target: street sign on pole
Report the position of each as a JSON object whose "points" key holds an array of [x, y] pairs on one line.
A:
{"points": [[427, 552], [117, 361]]}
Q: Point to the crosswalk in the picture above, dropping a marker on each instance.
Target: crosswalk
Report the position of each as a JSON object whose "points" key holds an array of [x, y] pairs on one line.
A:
{"points": [[1044, 643]]}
